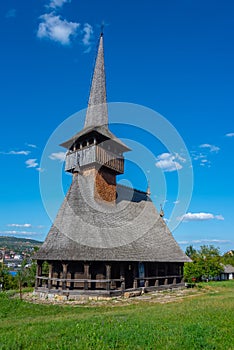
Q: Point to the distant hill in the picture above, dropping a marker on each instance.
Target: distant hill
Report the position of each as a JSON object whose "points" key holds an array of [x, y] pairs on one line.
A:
{"points": [[18, 244]]}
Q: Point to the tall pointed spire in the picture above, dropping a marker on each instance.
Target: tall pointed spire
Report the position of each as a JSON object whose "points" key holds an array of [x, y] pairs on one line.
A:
{"points": [[96, 114]]}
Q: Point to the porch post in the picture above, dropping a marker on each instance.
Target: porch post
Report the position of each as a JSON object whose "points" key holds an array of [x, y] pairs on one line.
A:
{"points": [[122, 276], [86, 275], [50, 275], [38, 273], [166, 272], [64, 284], [108, 276], [135, 276], [146, 274], [156, 273], [182, 273]]}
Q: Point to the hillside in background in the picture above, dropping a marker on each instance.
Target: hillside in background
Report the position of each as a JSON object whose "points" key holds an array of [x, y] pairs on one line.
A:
{"points": [[18, 244]]}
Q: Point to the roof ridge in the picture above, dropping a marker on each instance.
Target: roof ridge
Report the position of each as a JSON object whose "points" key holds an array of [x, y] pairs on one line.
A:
{"points": [[97, 114], [131, 188]]}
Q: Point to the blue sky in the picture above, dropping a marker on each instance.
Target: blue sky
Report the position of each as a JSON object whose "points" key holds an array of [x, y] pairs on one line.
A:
{"points": [[175, 58]]}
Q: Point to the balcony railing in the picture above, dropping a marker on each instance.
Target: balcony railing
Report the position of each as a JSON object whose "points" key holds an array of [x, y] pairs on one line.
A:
{"points": [[94, 154]]}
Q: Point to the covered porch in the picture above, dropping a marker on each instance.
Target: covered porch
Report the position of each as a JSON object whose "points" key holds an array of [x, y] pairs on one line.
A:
{"points": [[109, 278]]}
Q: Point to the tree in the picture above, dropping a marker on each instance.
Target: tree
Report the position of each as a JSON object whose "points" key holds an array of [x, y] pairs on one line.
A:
{"points": [[6, 279], [26, 276], [206, 264], [190, 251], [21, 277], [228, 258]]}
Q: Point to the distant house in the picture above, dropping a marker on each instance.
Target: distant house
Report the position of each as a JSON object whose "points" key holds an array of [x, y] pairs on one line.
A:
{"points": [[228, 273]]}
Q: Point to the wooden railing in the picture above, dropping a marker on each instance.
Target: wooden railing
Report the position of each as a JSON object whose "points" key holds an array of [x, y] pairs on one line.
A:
{"points": [[109, 159], [108, 284], [94, 154], [157, 280]]}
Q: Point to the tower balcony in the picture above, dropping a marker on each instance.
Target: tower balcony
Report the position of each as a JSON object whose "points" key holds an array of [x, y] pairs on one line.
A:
{"points": [[95, 154]]}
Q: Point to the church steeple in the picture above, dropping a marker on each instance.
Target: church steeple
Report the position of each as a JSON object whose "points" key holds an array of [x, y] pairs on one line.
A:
{"points": [[97, 108], [95, 150]]}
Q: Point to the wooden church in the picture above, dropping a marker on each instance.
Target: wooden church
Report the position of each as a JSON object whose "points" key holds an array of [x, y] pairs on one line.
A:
{"points": [[106, 238]]}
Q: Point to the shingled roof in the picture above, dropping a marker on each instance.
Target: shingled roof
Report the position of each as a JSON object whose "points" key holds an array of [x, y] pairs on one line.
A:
{"points": [[130, 230], [96, 119], [228, 269], [97, 108], [102, 130]]}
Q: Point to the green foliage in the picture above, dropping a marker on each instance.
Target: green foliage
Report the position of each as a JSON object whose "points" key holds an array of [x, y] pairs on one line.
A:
{"points": [[202, 322], [25, 277], [45, 268], [190, 251], [228, 258], [207, 264], [7, 280], [19, 244], [30, 275]]}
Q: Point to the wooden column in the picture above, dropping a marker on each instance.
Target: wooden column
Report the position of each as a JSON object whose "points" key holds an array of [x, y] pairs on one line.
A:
{"points": [[86, 275], [50, 275], [166, 269], [146, 274], [122, 276], [156, 283], [64, 284], [182, 273], [156, 274], [108, 276], [38, 273], [135, 271], [156, 269], [166, 273]]}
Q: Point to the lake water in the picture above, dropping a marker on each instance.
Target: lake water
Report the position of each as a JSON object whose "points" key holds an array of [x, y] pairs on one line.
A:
{"points": [[13, 273]]}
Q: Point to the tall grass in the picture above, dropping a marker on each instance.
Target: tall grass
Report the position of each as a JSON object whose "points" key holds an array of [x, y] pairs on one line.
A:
{"points": [[203, 322]]}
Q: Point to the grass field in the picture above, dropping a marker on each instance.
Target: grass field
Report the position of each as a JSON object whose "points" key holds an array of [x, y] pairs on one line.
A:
{"points": [[201, 320]]}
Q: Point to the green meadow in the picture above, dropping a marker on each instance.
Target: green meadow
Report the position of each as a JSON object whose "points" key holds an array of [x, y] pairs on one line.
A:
{"points": [[203, 319]]}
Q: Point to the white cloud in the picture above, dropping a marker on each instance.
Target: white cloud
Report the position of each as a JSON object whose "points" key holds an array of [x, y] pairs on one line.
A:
{"points": [[56, 29], [19, 225], [198, 156], [231, 134], [205, 241], [88, 33], [212, 148], [23, 153], [200, 217], [203, 157], [219, 217], [31, 163], [58, 156], [57, 3], [41, 170], [196, 241], [176, 202], [18, 232], [11, 13], [169, 162], [31, 145], [183, 242]]}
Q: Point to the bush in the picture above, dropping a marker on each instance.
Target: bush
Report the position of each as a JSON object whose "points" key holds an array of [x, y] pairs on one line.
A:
{"points": [[205, 265]]}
